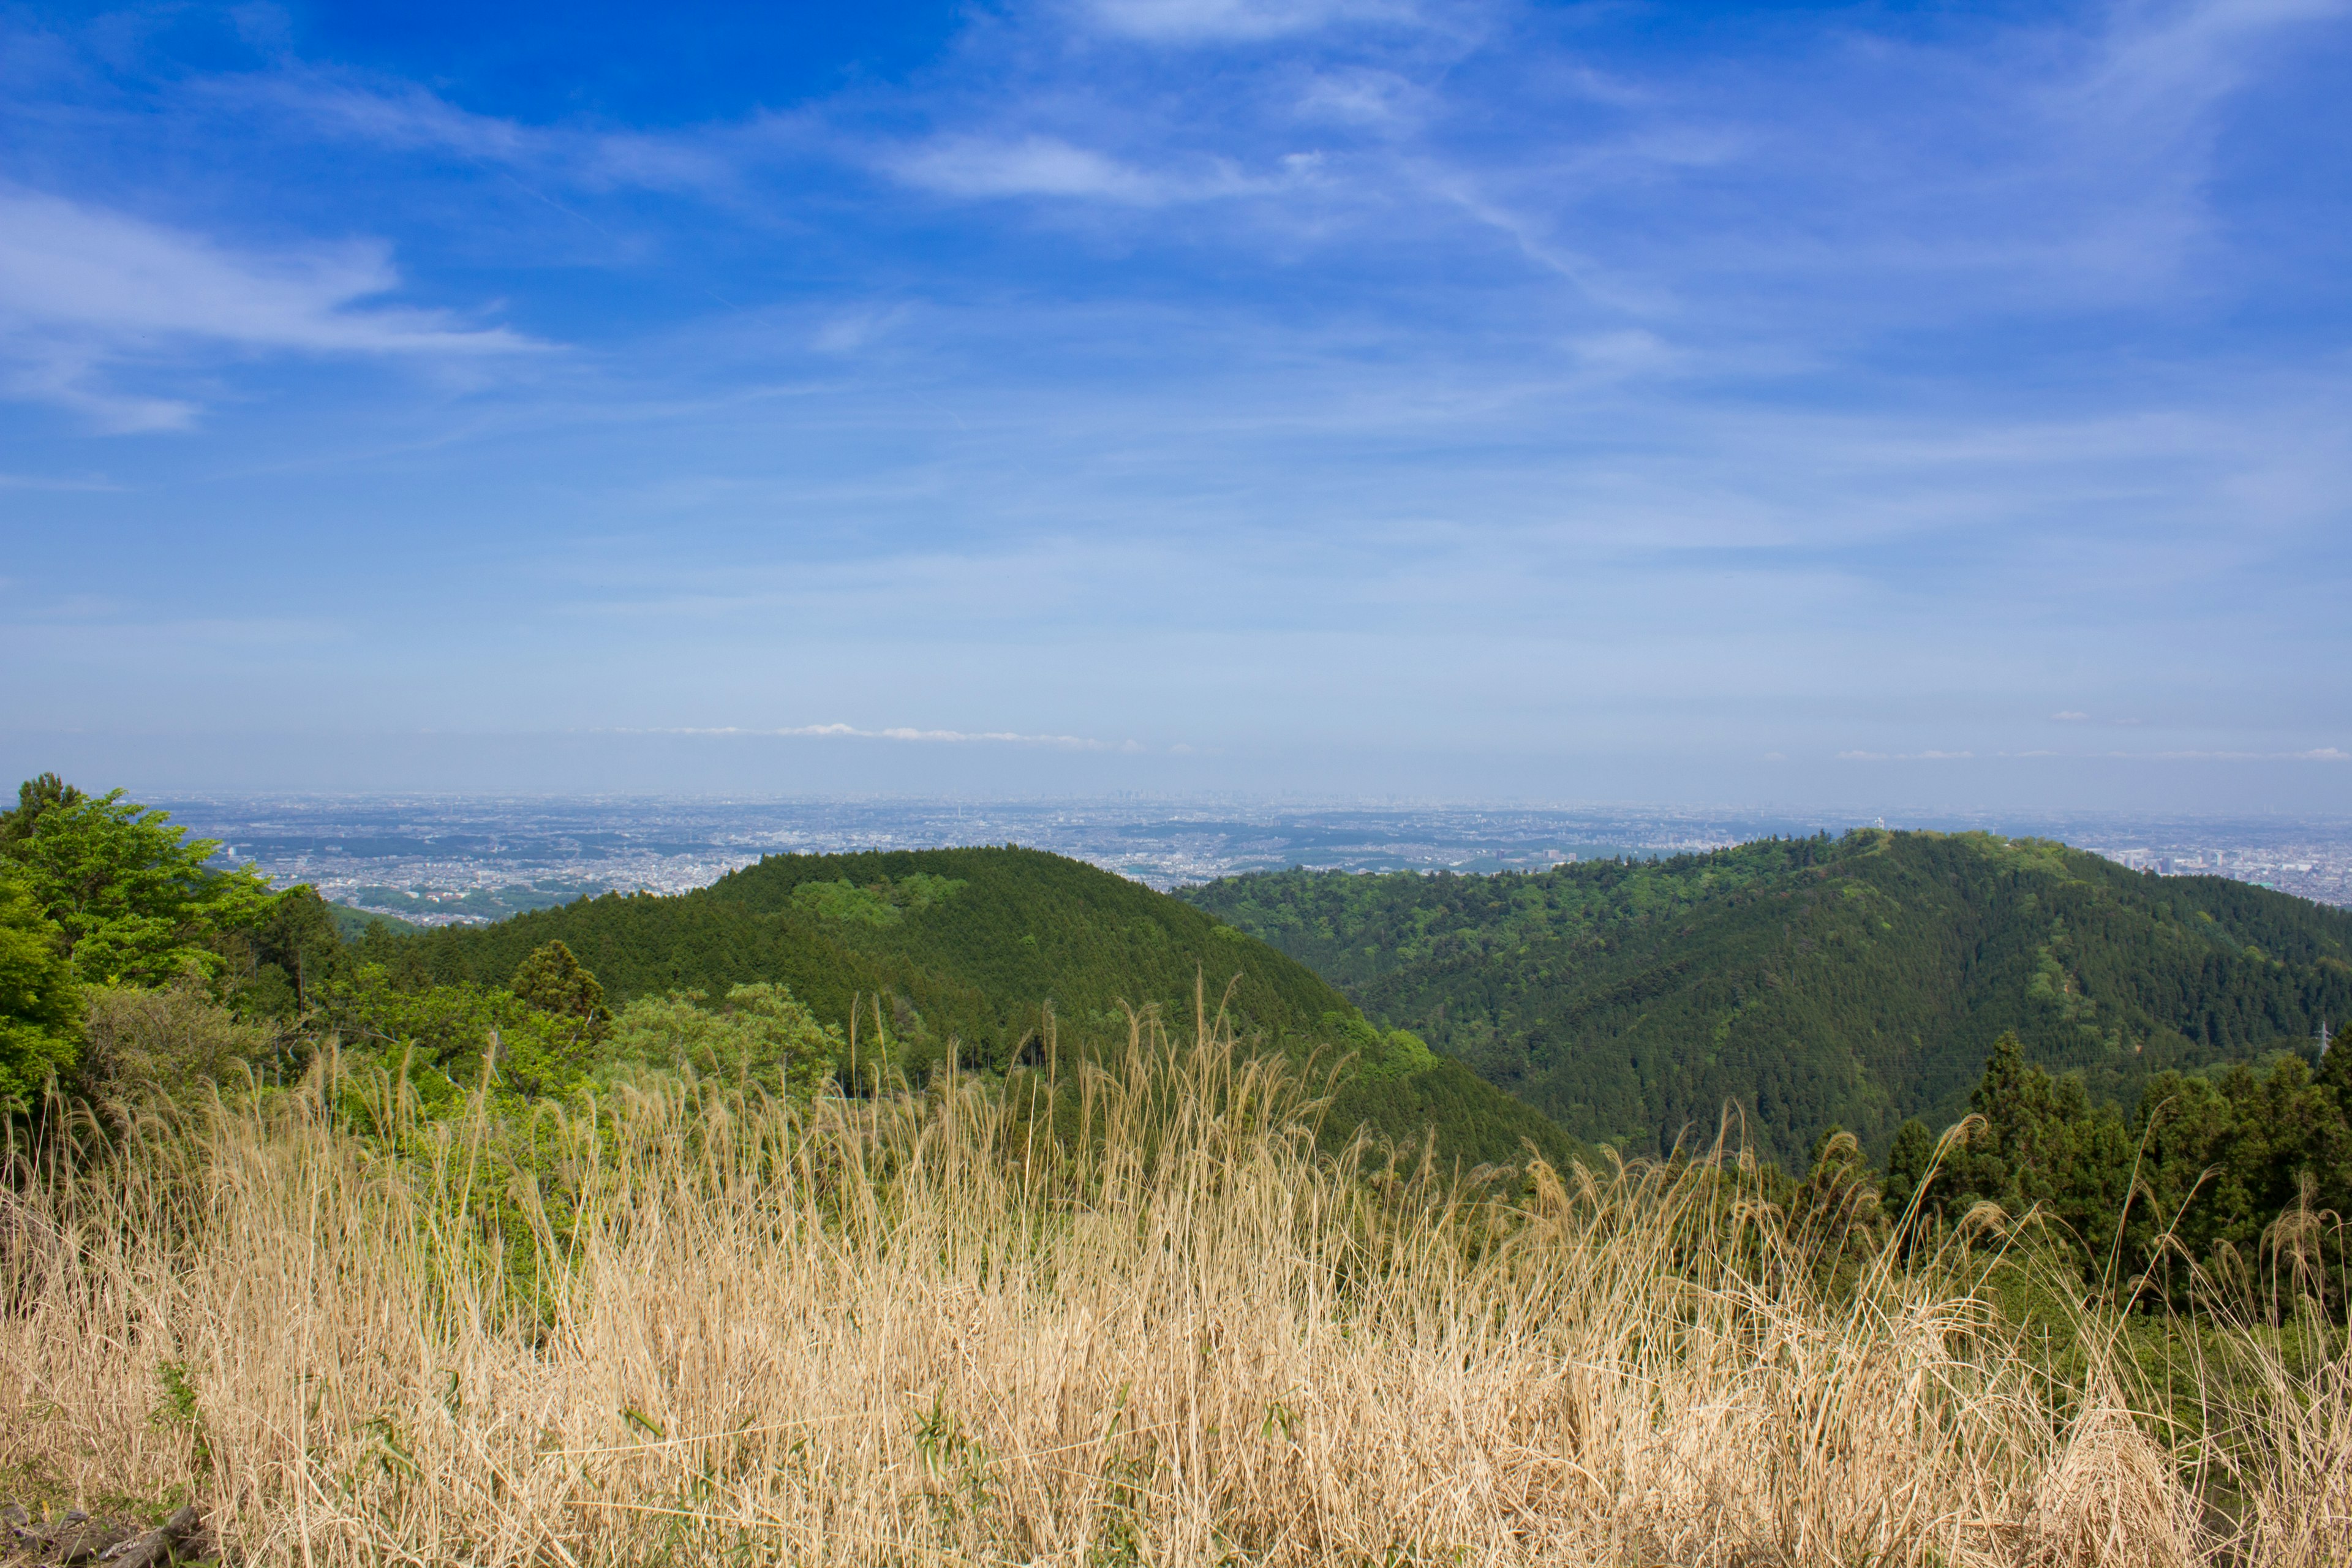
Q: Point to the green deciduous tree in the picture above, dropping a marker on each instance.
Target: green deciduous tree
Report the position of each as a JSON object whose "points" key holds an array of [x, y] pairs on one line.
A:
{"points": [[759, 1031], [1379, 1053], [449, 1039], [131, 897], [40, 1004]]}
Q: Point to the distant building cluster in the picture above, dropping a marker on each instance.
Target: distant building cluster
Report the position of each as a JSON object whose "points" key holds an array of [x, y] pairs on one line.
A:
{"points": [[442, 862], [2320, 870]]}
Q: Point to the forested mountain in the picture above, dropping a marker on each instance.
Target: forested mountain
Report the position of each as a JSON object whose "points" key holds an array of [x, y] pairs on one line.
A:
{"points": [[351, 923], [968, 947], [1854, 982]]}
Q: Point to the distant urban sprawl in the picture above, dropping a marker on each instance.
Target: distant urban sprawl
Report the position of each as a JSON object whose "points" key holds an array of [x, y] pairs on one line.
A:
{"points": [[446, 860]]}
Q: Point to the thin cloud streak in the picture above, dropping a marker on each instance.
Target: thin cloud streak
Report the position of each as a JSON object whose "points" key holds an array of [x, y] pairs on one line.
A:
{"points": [[1222, 21], [897, 732], [397, 117], [982, 166]]}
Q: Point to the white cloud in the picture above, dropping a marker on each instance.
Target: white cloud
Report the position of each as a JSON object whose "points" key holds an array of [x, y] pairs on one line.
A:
{"points": [[1198, 21], [2069, 716], [84, 291], [1378, 99], [984, 166]]}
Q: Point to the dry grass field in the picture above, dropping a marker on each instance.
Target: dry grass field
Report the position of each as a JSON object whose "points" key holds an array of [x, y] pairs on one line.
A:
{"points": [[692, 1325]]}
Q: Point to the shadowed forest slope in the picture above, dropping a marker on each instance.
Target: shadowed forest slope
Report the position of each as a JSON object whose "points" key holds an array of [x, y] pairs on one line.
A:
{"points": [[1853, 982]]}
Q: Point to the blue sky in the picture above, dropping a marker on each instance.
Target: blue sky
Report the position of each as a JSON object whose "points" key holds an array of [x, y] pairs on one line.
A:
{"points": [[1882, 403]]}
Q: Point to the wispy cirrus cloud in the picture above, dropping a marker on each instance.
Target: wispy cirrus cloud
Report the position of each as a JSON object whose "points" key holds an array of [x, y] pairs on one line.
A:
{"points": [[87, 293], [406, 116], [1905, 756], [902, 732], [979, 166], [1199, 21], [2315, 755]]}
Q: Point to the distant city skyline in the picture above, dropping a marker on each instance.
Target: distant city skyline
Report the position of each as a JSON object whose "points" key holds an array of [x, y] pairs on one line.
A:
{"points": [[1934, 406]]}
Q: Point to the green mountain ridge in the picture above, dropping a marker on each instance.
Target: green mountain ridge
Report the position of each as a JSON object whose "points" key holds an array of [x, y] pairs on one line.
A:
{"points": [[1853, 982], [964, 951]]}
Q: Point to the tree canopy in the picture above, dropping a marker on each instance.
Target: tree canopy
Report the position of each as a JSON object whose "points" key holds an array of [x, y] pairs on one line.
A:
{"points": [[40, 1003], [1813, 982], [132, 898]]}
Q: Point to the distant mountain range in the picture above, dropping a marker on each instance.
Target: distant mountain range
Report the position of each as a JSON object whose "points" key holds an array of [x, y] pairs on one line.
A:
{"points": [[1856, 981], [965, 950]]}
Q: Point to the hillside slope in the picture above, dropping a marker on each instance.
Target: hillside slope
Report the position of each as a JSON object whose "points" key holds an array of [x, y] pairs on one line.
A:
{"points": [[1857, 981], [965, 950]]}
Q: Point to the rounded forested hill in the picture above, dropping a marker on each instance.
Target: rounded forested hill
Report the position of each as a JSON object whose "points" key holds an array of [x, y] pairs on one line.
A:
{"points": [[1810, 982], [968, 943], [971, 946]]}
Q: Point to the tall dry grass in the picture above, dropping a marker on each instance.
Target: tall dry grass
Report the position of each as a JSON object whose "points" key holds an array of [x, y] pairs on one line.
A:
{"points": [[701, 1325]]}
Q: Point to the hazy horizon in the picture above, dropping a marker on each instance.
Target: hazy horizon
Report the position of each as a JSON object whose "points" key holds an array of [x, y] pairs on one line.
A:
{"points": [[565, 767]]}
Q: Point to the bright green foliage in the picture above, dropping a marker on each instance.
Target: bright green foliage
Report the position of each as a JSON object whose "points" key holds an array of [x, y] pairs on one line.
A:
{"points": [[881, 903], [844, 901], [912, 955], [1379, 1053], [131, 895], [40, 1004], [1810, 981], [759, 1033], [974, 945], [449, 1038]]}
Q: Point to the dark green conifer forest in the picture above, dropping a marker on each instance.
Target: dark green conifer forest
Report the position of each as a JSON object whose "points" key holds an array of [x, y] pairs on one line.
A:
{"points": [[1856, 982], [2131, 1062]]}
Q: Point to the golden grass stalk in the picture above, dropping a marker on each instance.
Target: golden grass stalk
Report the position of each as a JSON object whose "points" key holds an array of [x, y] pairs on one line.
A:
{"points": [[1130, 1317]]}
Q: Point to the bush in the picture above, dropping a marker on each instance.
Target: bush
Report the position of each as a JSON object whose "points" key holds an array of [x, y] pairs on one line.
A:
{"points": [[151, 1046]]}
